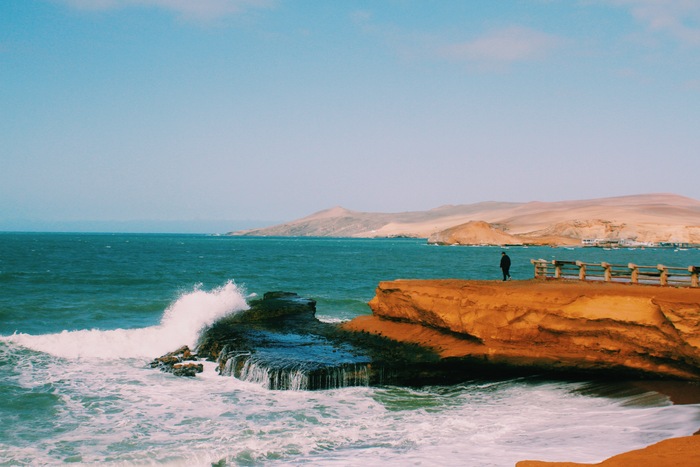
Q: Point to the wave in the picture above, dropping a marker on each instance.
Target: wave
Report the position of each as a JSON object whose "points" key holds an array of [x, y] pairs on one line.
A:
{"points": [[180, 325]]}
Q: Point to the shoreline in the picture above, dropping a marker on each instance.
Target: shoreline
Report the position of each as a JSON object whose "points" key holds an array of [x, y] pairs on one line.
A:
{"points": [[683, 451], [580, 321]]}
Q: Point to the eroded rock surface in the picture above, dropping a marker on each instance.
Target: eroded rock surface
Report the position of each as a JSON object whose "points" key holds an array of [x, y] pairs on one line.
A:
{"points": [[591, 327]]}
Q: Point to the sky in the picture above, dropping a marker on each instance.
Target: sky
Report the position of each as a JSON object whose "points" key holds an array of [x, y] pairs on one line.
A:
{"points": [[214, 115]]}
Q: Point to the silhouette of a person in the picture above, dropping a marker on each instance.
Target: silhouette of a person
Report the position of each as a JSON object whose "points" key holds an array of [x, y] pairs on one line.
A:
{"points": [[505, 265]]}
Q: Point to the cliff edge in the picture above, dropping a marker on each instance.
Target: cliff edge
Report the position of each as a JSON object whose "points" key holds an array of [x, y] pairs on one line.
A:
{"points": [[569, 326]]}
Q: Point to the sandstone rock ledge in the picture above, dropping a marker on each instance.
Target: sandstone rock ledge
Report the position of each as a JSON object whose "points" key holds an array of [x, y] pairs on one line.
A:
{"points": [[608, 329], [674, 452]]}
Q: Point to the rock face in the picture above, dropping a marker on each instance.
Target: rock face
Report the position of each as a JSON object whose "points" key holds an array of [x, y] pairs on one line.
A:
{"points": [[563, 326], [483, 233]]}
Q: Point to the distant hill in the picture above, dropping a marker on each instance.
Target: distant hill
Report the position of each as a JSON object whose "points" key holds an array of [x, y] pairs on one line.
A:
{"points": [[649, 218]]}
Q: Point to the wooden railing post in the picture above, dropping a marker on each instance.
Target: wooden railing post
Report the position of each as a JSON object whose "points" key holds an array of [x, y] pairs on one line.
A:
{"points": [[540, 268], [557, 269], [608, 271], [634, 278], [693, 275], [663, 279], [581, 270]]}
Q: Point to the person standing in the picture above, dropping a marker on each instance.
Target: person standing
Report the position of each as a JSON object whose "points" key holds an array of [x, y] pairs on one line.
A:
{"points": [[505, 265]]}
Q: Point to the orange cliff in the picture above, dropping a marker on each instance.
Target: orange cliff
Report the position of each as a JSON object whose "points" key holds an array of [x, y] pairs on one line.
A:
{"points": [[570, 326], [675, 452]]}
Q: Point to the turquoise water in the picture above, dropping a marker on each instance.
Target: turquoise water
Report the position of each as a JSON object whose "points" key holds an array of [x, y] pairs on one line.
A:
{"points": [[81, 315]]}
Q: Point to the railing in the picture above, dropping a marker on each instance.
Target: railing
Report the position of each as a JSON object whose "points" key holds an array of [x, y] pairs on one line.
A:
{"points": [[630, 273]]}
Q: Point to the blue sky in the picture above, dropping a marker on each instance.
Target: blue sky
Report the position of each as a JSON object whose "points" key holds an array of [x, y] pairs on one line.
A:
{"points": [[199, 115]]}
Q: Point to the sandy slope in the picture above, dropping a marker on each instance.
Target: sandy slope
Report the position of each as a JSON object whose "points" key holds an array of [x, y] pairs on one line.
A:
{"points": [[644, 218]]}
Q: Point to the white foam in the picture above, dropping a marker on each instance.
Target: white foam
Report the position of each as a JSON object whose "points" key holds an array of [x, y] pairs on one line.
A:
{"points": [[331, 319], [180, 325], [117, 413]]}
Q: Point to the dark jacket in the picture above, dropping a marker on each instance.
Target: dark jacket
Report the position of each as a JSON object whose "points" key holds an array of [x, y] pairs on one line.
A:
{"points": [[505, 262]]}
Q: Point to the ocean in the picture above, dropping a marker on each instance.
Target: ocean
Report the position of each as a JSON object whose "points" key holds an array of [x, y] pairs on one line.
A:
{"points": [[82, 315]]}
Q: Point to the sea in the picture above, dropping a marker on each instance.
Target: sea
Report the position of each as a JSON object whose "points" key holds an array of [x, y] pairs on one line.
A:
{"points": [[83, 314]]}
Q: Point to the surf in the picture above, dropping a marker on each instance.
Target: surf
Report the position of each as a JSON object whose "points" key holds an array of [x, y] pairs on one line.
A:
{"points": [[180, 324]]}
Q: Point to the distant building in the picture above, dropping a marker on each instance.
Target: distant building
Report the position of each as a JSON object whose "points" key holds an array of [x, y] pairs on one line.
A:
{"points": [[619, 242], [601, 242]]}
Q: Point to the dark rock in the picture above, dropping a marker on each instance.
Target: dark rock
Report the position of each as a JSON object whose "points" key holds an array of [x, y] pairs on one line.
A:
{"points": [[187, 369], [172, 362], [274, 305]]}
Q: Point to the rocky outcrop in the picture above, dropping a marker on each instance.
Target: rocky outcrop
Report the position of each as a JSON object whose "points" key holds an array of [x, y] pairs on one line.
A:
{"points": [[483, 233], [180, 362], [448, 331], [473, 233], [564, 326], [279, 344], [641, 232]]}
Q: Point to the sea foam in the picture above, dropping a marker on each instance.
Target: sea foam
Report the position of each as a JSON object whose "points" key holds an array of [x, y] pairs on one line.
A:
{"points": [[180, 325]]}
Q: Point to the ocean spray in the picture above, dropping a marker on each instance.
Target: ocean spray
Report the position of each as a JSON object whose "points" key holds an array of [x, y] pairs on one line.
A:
{"points": [[180, 325]]}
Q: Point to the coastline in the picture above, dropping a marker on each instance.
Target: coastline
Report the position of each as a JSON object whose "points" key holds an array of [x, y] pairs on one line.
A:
{"points": [[681, 451], [638, 220], [448, 423], [446, 315]]}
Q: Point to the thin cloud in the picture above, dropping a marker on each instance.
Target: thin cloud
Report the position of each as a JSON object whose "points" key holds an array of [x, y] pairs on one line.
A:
{"points": [[494, 49], [692, 85], [679, 19], [503, 46], [200, 10]]}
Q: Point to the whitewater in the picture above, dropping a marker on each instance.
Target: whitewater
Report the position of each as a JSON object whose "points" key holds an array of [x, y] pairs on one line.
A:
{"points": [[180, 325], [83, 392]]}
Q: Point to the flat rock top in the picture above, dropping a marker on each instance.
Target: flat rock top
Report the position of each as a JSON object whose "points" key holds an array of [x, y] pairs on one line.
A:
{"points": [[592, 300], [556, 287]]}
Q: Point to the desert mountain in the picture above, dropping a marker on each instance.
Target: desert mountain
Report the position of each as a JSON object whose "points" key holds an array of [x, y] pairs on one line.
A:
{"points": [[649, 218]]}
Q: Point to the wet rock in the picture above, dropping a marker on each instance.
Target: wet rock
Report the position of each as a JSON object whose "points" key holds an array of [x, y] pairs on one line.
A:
{"points": [[187, 369], [280, 344], [172, 362]]}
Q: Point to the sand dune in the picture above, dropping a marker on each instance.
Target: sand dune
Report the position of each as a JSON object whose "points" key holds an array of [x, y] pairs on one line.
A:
{"points": [[641, 218]]}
